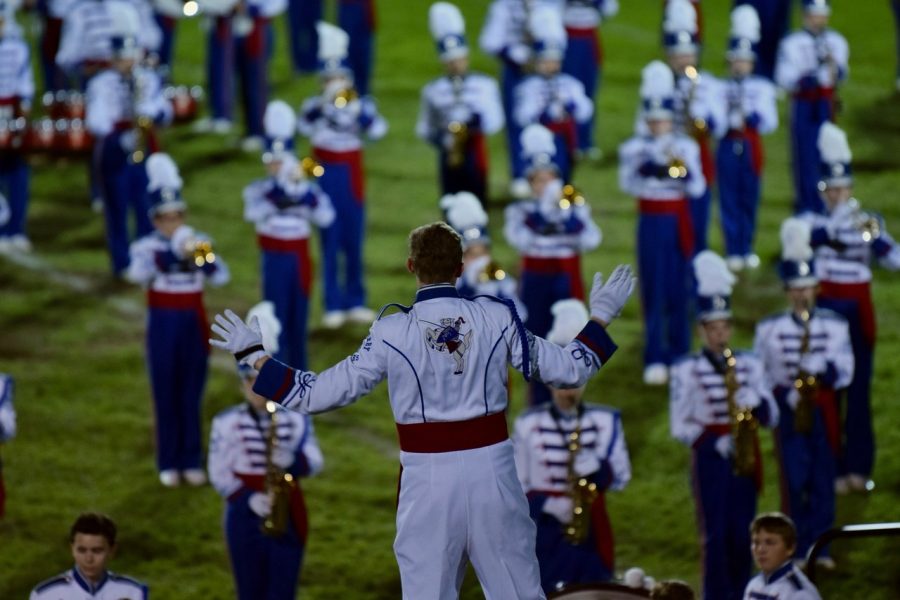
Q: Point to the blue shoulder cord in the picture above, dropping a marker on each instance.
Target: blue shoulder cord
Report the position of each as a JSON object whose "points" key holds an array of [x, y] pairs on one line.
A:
{"points": [[520, 328]]}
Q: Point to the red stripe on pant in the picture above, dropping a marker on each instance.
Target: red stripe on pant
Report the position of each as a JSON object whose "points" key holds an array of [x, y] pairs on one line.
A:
{"points": [[827, 403], [567, 130], [184, 301], [257, 483], [862, 294], [571, 266], [300, 248], [255, 44], [353, 160], [452, 436], [592, 35], [680, 209], [603, 534], [479, 150], [707, 160], [725, 429]]}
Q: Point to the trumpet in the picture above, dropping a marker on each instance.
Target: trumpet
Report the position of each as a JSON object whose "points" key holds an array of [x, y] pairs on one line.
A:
{"points": [[675, 166], [570, 197], [697, 126], [743, 423], [492, 272], [805, 383], [868, 224], [582, 491], [201, 251], [344, 97], [311, 168], [278, 483]]}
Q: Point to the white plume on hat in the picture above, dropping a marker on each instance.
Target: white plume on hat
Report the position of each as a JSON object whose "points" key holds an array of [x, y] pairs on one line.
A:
{"points": [[333, 42], [833, 146], [126, 21], [546, 25], [713, 276], [537, 139], [445, 20], [745, 23], [795, 240], [279, 120], [657, 81], [269, 325], [464, 211], [569, 318], [680, 16], [162, 172]]}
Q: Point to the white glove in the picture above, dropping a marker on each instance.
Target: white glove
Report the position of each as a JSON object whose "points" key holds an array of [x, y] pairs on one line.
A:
{"points": [[519, 53], [128, 141], [556, 111], [825, 76], [746, 398], [283, 458], [181, 239], [792, 398], [260, 504], [560, 507], [608, 299], [725, 446], [586, 463], [735, 120], [244, 341], [813, 363]]}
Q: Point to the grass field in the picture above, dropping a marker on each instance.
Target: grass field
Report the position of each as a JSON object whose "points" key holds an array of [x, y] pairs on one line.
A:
{"points": [[73, 339]]}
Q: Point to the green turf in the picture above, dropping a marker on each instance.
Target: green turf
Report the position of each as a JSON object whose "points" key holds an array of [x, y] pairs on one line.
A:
{"points": [[75, 345]]}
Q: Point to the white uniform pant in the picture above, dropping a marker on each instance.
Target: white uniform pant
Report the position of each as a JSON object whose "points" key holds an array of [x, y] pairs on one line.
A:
{"points": [[461, 506]]}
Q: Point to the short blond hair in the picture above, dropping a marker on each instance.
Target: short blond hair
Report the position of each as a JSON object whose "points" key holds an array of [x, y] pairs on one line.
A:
{"points": [[436, 253]]}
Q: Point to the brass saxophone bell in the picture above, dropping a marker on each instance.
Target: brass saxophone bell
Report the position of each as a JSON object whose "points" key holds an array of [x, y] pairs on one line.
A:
{"points": [[311, 168], [202, 253]]}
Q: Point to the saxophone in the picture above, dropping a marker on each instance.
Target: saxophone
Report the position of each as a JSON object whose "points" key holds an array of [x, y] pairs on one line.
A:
{"points": [[696, 127], [805, 383], [743, 423], [311, 168], [570, 197], [868, 224], [582, 492], [202, 252], [278, 482], [458, 130]]}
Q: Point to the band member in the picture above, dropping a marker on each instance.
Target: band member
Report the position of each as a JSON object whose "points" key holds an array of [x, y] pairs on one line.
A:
{"points": [[812, 63], [124, 102], [554, 99], [336, 122], [7, 427], [481, 275], [445, 360], [807, 356], [774, 546], [775, 18], [256, 458], [584, 57], [284, 206], [697, 111], [662, 170], [847, 240], [751, 111], [92, 539], [459, 109], [568, 454], [173, 263], [222, 18], [718, 399], [357, 18], [16, 94], [551, 231]]}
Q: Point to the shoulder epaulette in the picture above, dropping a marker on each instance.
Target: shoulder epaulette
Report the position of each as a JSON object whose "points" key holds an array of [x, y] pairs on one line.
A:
{"points": [[792, 577], [385, 308], [59, 579]]}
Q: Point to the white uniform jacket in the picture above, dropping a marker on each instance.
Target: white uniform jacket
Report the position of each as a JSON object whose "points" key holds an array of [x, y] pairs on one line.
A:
{"points": [[88, 29], [697, 396], [505, 31], [72, 586], [155, 266], [587, 14], [7, 410], [543, 230], [643, 159], [284, 212], [550, 100], [778, 340], [786, 583], [802, 64], [112, 99], [16, 80], [748, 102], [541, 438], [476, 99], [237, 446], [340, 129]]}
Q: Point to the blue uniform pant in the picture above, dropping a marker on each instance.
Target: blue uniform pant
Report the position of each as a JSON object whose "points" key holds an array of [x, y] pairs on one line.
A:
{"points": [[357, 18], [665, 289], [286, 280], [167, 45], [806, 118], [739, 187], [220, 68], [265, 568], [509, 79], [858, 439], [726, 504], [807, 476], [471, 175], [700, 217], [774, 18], [342, 241], [14, 182], [123, 186], [251, 55], [177, 355], [302, 16], [583, 61]]}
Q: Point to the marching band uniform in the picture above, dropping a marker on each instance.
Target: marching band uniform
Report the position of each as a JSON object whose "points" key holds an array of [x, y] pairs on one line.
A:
{"points": [[811, 64], [844, 252], [806, 457], [302, 16], [357, 18], [283, 209], [662, 172], [177, 350], [72, 585], [115, 103], [251, 55], [471, 100], [7, 427], [459, 494], [555, 100], [54, 12], [786, 583], [751, 112], [16, 93], [266, 567], [335, 123], [584, 53], [774, 16], [546, 466], [700, 418]]}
